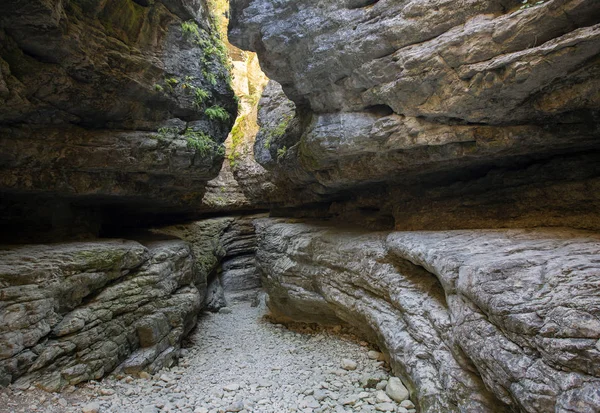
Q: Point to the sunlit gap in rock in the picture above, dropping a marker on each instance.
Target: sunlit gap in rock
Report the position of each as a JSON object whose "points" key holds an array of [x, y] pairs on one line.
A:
{"points": [[299, 206]]}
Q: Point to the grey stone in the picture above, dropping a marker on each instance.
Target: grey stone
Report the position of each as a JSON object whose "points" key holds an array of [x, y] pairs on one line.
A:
{"points": [[348, 364], [441, 290], [385, 407], [102, 123], [407, 97], [96, 295], [93, 407], [396, 390]]}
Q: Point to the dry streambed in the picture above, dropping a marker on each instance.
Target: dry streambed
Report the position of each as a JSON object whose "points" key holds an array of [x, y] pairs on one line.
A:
{"points": [[238, 362]]}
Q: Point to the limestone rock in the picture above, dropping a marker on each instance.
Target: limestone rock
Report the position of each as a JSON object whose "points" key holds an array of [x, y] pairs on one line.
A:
{"points": [[103, 108], [459, 312], [385, 106], [396, 390], [77, 311], [224, 249], [93, 407], [348, 364]]}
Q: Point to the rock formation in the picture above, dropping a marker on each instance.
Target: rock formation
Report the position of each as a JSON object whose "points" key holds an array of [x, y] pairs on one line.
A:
{"points": [[476, 321], [411, 103], [117, 105], [434, 164], [76, 311], [421, 115], [224, 249]]}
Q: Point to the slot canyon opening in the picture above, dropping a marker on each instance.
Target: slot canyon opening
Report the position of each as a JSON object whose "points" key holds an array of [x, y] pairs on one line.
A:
{"points": [[176, 176]]}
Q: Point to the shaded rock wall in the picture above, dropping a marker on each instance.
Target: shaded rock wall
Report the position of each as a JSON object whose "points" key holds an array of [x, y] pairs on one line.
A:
{"points": [[76, 311], [225, 251], [104, 104], [242, 184], [401, 106], [73, 312], [486, 321]]}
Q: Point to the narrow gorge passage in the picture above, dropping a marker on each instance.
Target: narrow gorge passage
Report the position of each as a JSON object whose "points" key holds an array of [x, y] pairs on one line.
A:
{"points": [[235, 360], [422, 171]]}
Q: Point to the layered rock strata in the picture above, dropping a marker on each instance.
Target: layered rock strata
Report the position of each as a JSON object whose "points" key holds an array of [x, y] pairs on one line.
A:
{"points": [[110, 105], [410, 102], [76, 311], [486, 320], [225, 257]]}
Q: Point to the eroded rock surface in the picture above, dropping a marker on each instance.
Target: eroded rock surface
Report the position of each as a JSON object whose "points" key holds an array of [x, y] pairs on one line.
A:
{"points": [[404, 101], [486, 320], [76, 311], [225, 257], [105, 104]]}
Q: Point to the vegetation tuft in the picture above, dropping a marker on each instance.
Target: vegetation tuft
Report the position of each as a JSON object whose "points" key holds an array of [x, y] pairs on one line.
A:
{"points": [[217, 113]]}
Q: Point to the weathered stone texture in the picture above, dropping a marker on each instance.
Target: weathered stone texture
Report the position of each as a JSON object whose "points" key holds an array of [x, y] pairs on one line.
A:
{"points": [[484, 320], [224, 249], [75, 312], [406, 99], [100, 105]]}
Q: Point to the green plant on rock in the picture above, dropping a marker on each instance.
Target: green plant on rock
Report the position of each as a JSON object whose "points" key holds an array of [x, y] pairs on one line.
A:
{"points": [[166, 132], [279, 130], [217, 113], [171, 82], [282, 126], [200, 96], [190, 29], [267, 144], [158, 88], [237, 137], [210, 77], [281, 152], [199, 141]]}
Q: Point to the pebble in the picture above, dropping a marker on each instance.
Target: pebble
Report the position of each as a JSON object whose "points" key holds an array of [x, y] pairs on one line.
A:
{"points": [[385, 407], [381, 397], [93, 407], [235, 407], [231, 387], [396, 390], [242, 363], [348, 364]]}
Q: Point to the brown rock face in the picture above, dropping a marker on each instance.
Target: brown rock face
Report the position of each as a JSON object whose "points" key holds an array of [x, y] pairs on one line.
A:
{"points": [[412, 101], [110, 103]]}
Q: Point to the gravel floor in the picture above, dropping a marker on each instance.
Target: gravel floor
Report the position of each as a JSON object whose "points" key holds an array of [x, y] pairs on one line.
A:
{"points": [[239, 362]]}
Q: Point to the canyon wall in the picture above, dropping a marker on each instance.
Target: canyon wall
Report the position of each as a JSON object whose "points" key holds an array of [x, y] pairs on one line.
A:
{"points": [[77, 311], [425, 114], [450, 151], [473, 321], [111, 111]]}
